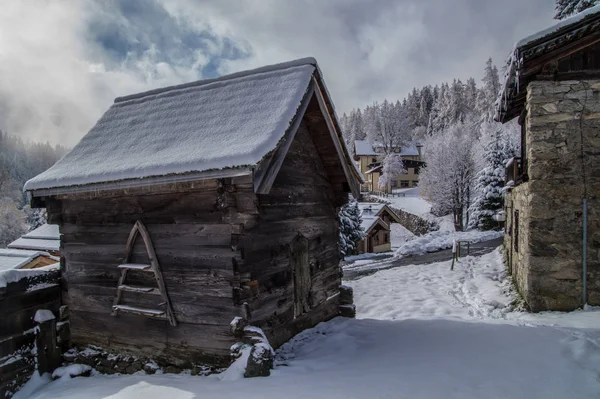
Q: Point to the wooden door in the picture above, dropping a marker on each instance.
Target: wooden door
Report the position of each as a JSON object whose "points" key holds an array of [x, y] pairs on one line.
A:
{"points": [[301, 274]]}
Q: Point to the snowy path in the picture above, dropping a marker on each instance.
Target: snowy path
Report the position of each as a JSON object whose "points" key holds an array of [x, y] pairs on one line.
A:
{"points": [[364, 267], [474, 289], [422, 332]]}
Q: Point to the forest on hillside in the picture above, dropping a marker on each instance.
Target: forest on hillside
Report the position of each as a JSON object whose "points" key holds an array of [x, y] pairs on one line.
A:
{"points": [[464, 148], [19, 162]]}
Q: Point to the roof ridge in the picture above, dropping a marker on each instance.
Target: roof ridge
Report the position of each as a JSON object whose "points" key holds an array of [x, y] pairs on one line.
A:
{"points": [[235, 75]]}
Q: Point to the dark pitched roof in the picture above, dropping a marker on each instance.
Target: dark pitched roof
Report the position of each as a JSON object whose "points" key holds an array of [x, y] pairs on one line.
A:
{"points": [[529, 55]]}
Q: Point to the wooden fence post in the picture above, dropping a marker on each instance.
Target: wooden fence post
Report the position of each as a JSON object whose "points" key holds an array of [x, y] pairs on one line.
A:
{"points": [[48, 356]]}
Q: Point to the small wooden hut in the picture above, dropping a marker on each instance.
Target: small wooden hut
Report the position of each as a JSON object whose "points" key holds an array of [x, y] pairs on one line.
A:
{"points": [[187, 206], [376, 223]]}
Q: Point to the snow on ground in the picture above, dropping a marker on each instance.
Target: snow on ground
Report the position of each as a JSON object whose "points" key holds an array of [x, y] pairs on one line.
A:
{"points": [[437, 240], [475, 289], [422, 332], [399, 235]]}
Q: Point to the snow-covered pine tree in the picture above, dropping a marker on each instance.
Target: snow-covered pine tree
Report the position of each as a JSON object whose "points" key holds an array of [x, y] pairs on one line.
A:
{"points": [[486, 97], [12, 222], [489, 182], [34, 217], [350, 229], [566, 8], [393, 167]]}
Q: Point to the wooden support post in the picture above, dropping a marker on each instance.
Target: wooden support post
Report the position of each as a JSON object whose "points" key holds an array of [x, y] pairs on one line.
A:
{"points": [[48, 356], [454, 254]]}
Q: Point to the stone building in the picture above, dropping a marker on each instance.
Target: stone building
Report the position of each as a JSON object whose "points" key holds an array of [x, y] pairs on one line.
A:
{"points": [[552, 86]]}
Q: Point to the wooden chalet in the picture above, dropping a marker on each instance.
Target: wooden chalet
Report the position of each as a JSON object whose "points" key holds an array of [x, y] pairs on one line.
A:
{"points": [[376, 223], [188, 206]]}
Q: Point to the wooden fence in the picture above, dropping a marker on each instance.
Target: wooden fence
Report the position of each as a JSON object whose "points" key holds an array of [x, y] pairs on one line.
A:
{"points": [[33, 326]]}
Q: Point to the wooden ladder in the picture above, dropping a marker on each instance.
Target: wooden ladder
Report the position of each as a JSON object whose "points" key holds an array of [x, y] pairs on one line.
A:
{"points": [[153, 267]]}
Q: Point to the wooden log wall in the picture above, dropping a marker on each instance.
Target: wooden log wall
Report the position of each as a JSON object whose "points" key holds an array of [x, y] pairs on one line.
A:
{"points": [[219, 246], [302, 201], [193, 229], [19, 302]]}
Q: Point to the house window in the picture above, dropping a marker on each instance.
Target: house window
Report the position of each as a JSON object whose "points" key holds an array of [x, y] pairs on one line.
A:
{"points": [[404, 183], [516, 231], [373, 160], [385, 238]]}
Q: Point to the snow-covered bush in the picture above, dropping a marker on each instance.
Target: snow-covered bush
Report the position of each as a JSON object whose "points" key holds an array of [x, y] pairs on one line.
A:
{"points": [[350, 229]]}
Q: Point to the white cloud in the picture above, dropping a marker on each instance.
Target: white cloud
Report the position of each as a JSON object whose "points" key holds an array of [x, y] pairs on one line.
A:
{"points": [[56, 80]]}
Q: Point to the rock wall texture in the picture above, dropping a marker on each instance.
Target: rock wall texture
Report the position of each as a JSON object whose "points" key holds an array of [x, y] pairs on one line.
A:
{"points": [[563, 151], [413, 223]]}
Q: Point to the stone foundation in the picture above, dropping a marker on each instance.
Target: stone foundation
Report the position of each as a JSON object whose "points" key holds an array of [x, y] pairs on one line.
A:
{"points": [[547, 263]]}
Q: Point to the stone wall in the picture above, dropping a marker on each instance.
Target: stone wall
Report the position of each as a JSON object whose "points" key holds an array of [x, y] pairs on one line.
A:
{"points": [[548, 266], [413, 223]]}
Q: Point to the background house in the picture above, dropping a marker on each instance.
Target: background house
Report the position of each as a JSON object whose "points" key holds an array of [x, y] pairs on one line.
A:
{"points": [[370, 157], [23, 259], [233, 186], [553, 86], [44, 238], [376, 221]]}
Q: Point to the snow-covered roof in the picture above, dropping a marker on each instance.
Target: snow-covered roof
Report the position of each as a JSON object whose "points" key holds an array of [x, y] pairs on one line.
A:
{"points": [[549, 40], [368, 222], [16, 258], [45, 232], [374, 169], [409, 150], [229, 122], [369, 213], [565, 23], [44, 238], [363, 147], [374, 209], [367, 208]]}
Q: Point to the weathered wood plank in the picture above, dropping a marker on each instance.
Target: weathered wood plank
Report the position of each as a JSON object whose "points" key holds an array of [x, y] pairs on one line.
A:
{"points": [[196, 309], [182, 345]]}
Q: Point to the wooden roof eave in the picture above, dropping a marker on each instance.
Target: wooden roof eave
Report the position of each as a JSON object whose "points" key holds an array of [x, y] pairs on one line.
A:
{"points": [[536, 54], [390, 211], [265, 174], [141, 183], [353, 176], [332, 114], [378, 222]]}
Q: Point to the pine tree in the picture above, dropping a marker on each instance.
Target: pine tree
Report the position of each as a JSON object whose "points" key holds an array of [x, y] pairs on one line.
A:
{"points": [[486, 98], [35, 217], [489, 198], [566, 8], [350, 228], [12, 222]]}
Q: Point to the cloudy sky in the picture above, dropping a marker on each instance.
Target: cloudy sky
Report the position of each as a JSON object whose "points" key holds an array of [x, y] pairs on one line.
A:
{"points": [[63, 62]]}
